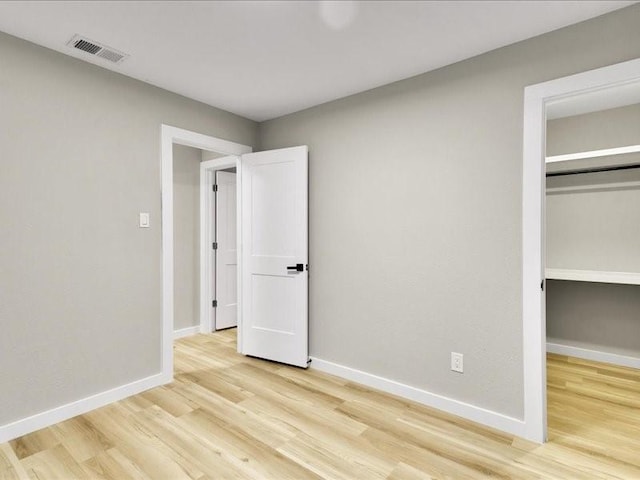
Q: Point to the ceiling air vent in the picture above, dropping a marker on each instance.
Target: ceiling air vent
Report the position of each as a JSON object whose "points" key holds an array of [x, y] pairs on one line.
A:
{"points": [[97, 49]]}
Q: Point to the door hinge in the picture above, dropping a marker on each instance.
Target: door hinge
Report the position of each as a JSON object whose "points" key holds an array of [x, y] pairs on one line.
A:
{"points": [[214, 245], [214, 303], [542, 285], [214, 187]]}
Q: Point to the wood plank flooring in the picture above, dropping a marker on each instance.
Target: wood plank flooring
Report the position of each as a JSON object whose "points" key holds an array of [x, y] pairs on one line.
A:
{"points": [[228, 417]]}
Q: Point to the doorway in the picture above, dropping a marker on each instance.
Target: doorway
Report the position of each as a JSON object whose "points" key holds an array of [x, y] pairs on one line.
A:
{"points": [[592, 210], [204, 279], [171, 136], [272, 246], [226, 250], [538, 98], [219, 234]]}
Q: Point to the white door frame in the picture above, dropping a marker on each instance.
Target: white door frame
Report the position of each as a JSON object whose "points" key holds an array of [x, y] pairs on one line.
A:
{"points": [[536, 97], [168, 137], [207, 208]]}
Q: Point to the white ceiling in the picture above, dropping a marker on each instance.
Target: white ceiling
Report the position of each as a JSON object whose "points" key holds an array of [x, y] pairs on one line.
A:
{"points": [[264, 59]]}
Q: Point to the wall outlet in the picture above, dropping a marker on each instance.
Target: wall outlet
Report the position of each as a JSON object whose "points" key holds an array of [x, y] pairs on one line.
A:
{"points": [[457, 362]]}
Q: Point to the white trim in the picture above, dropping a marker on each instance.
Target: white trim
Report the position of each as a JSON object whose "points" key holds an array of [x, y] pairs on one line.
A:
{"points": [[595, 355], [593, 154], [206, 286], [207, 234], [474, 413], [168, 136], [627, 278], [70, 410], [536, 97], [534, 330], [186, 332]]}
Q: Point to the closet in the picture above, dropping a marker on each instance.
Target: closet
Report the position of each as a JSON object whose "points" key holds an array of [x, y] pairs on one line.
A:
{"points": [[593, 235]]}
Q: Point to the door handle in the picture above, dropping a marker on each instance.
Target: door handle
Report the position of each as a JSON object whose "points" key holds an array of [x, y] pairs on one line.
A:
{"points": [[298, 267]]}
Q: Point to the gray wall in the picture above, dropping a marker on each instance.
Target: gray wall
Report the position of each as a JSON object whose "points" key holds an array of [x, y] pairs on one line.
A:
{"points": [[80, 282], [186, 236], [415, 214], [593, 220], [590, 227], [616, 127]]}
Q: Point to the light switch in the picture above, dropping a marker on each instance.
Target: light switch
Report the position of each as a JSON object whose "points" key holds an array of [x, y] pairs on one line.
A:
{"points": [[144, 220]]}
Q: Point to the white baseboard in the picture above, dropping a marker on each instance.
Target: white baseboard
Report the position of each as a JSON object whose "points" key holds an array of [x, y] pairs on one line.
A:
{"points": [[480, 415], [595, 355], [186, 332], [44, 419]]}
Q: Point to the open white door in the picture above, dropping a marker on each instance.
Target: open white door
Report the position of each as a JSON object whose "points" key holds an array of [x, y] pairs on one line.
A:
{"points": [[226, 314], [275, 255]]}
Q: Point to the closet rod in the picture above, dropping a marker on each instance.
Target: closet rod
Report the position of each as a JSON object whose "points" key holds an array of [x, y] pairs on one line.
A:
{"points": [[592, 170]]}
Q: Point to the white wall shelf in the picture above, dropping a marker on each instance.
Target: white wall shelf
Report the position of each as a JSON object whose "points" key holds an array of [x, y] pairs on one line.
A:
{"points": [[593, 154], [626, 278]]}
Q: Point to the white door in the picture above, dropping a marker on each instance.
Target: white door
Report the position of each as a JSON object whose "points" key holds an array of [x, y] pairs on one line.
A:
{"points": [[274, 255], [226, 268]]}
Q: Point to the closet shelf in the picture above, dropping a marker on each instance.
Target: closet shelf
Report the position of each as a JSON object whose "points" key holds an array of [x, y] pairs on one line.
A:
{"points": [[626, 278], [593, 154]]}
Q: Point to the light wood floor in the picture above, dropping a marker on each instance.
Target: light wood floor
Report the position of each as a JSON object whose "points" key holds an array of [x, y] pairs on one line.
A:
{"points": [[227, 416]]}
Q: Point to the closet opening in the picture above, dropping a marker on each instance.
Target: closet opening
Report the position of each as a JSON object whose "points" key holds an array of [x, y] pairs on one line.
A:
{"points": [[596, 90], [591, 297]]}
